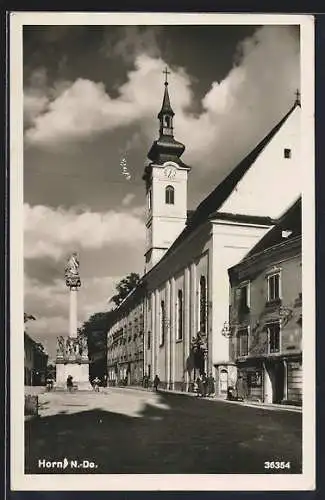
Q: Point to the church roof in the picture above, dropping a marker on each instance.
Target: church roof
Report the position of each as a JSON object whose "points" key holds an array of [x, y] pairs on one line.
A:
{"points": [[166, 106], [210, 205]]}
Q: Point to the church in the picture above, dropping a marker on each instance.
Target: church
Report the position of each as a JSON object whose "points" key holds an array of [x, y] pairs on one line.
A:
{"points": [[181, 307]]}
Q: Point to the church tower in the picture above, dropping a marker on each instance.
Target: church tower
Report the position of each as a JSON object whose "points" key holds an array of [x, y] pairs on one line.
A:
{"points": [[166, 187]]}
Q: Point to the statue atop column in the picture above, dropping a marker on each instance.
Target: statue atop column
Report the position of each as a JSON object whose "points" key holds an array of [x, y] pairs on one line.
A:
{"points": [[72, 276]]}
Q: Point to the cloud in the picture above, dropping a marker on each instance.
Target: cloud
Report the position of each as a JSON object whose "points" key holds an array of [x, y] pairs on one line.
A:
{"points": [[236, 112], [84, 108], [55, 232], [128, 42], [49, 303]]}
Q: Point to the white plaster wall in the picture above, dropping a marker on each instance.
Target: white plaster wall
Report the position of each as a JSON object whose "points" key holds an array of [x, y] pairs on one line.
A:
{"points": [[273, 182], [231, 242]]}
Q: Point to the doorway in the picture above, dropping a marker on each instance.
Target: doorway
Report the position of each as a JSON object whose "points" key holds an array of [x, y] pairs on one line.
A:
{"points": [[276, 377]]}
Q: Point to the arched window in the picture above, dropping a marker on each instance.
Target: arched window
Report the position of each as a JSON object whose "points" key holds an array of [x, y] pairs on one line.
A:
{"points": [[162, 323], [149, 199], [167, 121], [179, 315], [169, 195], [203, 304]]}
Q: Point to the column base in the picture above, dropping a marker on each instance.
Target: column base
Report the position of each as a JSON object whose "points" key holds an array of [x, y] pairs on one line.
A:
{"points": [[78, 372]]}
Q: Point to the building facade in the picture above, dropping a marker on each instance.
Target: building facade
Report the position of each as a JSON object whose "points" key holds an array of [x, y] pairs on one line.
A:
{"points": [[185, 288], [125, 342], [35, 362], [265, 324]]}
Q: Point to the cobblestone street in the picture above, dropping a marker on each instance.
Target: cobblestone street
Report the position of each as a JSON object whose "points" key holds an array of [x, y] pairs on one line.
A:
{"points": [[133, 431]]}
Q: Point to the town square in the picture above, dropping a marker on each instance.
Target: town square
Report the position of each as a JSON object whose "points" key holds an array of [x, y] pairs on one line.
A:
{"points": [[164, 256]]}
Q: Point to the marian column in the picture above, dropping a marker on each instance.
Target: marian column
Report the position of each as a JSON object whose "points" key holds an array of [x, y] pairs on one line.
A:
{"points": [[72, 350], [73, 282]]}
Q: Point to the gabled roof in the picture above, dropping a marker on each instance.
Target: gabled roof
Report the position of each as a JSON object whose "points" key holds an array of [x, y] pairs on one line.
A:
{"points": [[210, 205], [285, 229]]}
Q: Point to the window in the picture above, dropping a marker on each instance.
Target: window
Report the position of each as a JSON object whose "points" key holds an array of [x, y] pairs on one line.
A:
{"points": [[273, 287], [273, 331], [149, 199], [243, 305], [203, 304], [242, 342], [179, 315], [287, 153], [167, 121], [162, 323], [169, 195]]}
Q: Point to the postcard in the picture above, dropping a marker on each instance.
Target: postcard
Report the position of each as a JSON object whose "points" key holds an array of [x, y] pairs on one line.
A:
{"points": [[162, 248]]}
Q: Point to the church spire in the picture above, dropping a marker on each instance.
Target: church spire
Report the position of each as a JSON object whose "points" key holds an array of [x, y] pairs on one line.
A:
{"points": [[166, 148], [166, 113]]}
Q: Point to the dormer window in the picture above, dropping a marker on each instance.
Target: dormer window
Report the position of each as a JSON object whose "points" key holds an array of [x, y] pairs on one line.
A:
{"points": [[287, 153], [169, 195]]}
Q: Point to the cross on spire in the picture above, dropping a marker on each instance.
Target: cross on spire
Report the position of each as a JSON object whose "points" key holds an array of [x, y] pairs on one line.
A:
{"points": [[297, 93], [166, 73]]}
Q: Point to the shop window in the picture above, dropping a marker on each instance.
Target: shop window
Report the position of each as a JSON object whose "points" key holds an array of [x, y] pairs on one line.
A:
{"points": [[273, 330], [273, 287], [169, 195], [242, 342], [254, 379]]}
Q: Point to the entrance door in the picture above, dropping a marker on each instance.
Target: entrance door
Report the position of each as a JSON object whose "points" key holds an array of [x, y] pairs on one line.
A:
{"points": [[274, 381], [278, 382], [223, 381]]}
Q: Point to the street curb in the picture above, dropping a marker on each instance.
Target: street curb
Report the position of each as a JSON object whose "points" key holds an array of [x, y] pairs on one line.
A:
{"points": [[261, 406]]}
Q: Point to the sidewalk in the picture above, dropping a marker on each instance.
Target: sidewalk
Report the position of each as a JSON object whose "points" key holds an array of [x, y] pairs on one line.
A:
{"points": [[251, 404]]}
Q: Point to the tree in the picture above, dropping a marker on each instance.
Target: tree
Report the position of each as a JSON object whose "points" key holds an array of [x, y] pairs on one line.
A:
{"points": [[124, 287], [28, 317], [95, 330]]}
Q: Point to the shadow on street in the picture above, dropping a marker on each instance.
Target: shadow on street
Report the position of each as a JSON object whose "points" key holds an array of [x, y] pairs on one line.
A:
{"points": [[191, 436]]}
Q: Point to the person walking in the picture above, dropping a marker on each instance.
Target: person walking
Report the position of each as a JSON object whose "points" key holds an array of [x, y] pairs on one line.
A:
{"points": [[156, 383], [96, 382], [204, 385], [69, 383], [146, 381], [198, 386], [211, 382]]}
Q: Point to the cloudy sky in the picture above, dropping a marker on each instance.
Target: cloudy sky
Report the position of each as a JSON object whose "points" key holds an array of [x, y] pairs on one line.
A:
{"points": [[91, 97]]}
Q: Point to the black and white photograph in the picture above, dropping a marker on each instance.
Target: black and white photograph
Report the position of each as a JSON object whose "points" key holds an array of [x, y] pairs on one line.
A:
{"points": [[162, 251]]}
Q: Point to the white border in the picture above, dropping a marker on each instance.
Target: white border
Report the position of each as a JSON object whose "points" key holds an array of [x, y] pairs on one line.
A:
{"points": [[228, 482]]}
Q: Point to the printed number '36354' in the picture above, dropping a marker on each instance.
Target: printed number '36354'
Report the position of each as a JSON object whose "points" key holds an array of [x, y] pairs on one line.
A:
{"points": [[277, 465]]}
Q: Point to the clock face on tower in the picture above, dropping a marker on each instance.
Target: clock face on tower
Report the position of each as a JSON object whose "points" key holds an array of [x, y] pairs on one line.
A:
{"points": [[170, 171]]}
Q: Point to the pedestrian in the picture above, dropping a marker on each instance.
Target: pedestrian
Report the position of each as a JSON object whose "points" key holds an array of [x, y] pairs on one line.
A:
{"points": [[69, 383], [240, 388], [204, 385], [211, 382], [145, 381], [96, 382], [49, 383], [197, 386], [156, 383]]}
